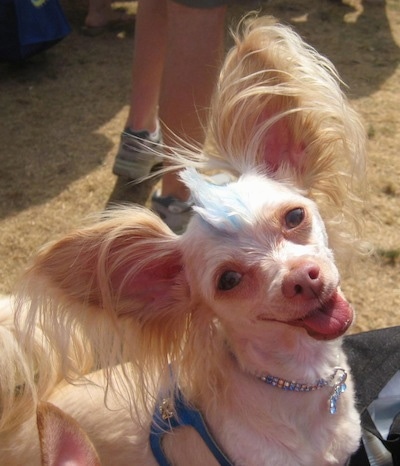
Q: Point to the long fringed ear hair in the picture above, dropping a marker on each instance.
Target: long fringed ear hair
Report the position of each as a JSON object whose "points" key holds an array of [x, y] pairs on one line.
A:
{"points": [[115, 290], [279, 108]]}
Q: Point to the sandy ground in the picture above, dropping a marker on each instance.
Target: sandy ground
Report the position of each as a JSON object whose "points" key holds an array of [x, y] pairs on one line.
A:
{"points": [[62, 113]]}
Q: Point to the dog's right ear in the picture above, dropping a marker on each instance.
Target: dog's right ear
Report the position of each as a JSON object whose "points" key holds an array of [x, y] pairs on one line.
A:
{"points": [[279, 106]]}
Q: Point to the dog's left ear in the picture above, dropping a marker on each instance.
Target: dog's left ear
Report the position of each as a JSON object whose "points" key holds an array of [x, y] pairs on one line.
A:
{"points": [[121, 264], [62, 440], [116, 291], [124, 272]]}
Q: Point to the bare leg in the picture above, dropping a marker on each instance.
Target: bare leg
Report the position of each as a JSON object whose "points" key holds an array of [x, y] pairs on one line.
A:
{"points": [[99, 13], [177, 54], [148, 64], [194, 52]]}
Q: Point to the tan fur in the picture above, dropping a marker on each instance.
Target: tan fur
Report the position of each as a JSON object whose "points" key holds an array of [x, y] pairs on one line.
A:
{"points": [[20, 384]]}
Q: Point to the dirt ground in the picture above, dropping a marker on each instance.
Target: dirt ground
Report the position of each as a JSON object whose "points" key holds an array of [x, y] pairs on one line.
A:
{"points": [[62, 114]]}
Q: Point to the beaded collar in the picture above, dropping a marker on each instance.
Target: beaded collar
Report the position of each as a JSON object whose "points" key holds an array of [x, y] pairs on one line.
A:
{"points": [[165, 419], [336, 380]]}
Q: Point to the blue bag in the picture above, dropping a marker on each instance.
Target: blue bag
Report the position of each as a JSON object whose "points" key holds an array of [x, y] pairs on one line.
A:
{"points": [[28, 27]]}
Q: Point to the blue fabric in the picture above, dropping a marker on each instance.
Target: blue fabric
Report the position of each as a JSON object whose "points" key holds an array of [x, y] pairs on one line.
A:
{"points": [[28, 27], [184, 416]]}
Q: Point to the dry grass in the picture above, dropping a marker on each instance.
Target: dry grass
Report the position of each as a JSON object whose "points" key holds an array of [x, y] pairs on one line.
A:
{"points": [[61, 116]]}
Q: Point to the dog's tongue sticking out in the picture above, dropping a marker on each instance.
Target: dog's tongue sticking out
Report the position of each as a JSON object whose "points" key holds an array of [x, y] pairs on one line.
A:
{"points": [[330, 321]]}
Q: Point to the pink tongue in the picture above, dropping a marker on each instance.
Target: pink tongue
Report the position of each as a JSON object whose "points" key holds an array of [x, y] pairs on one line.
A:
{"points": [[331, 321]]}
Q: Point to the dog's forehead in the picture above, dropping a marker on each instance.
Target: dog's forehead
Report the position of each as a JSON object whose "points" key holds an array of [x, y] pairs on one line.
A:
{"points": [[229, 206]]}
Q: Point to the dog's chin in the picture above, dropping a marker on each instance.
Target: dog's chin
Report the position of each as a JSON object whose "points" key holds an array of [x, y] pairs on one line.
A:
{"points": [[328, 322], [331, 320]]}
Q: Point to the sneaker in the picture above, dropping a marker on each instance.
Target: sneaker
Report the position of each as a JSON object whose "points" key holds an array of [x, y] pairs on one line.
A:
{"points": [[136, 155], [175, 213]]}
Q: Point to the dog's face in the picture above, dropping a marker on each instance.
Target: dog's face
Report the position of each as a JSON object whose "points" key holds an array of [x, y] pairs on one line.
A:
{"points": [[254, 263], [258, 254]]}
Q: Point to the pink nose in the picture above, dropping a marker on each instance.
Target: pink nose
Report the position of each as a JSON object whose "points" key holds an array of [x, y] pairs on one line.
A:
{"points": [[303, 280]]}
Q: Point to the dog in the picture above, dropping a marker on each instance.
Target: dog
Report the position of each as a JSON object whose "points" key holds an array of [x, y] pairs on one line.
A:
{"points": [[222, 345]]}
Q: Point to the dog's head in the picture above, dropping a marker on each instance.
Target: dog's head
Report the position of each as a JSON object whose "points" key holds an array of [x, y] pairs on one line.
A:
{"points": [[257, 252], [254, 263], [279, 105]]}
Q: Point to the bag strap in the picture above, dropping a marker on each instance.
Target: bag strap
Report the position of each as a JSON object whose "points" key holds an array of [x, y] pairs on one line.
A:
{"points": [[374, 358], [393, 441]]}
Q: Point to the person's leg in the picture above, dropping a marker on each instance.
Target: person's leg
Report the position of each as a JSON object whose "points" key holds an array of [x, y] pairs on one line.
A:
{"points": [[99, 13], [177, 54], [136, 153], [194, 50], [148, 64]]}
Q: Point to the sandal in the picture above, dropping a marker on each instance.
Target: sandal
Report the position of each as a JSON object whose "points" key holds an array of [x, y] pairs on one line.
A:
{"points": [[119, 18]]}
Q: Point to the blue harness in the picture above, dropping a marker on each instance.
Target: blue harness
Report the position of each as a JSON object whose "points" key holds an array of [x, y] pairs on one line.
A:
{"points": [[166, 420]]}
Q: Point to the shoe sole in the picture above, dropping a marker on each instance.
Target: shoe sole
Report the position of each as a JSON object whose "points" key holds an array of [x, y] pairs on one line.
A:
{"points": [[177, 222], [132, 170]]}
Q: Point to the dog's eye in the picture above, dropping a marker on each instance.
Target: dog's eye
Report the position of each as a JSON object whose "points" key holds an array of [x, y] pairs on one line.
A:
{"points": [[294, 217], [229, 280]]}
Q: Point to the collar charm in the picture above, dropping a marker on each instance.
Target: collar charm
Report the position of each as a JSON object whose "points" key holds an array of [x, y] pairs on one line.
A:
{"points": [[339, 386]]}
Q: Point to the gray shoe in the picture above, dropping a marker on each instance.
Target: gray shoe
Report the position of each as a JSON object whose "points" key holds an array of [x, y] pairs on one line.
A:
{"points": [[136, 155], [175, 213]]}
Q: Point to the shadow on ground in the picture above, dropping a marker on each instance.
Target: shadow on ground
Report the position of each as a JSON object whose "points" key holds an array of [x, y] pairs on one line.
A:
{"points": [[60, 112]]}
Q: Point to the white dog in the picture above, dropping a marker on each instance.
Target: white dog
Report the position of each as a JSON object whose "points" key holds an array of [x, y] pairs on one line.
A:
{"points": [[225, 342]]}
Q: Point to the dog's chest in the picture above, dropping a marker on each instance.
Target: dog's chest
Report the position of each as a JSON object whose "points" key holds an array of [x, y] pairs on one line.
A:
{"points": [[287, 428]]}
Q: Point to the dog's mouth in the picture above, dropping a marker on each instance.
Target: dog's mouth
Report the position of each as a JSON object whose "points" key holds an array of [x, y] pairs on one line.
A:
{"points": [[329, 321]]}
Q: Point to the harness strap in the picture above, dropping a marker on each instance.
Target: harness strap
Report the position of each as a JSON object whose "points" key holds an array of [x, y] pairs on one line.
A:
{"points": [[165, 420]]}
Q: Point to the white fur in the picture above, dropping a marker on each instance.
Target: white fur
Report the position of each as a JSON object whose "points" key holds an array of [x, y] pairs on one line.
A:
{"points": [[128, 296], [229, 337]]}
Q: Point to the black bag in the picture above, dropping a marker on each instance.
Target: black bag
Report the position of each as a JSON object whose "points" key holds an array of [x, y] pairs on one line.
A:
{"points": [[374, 358], [28, 27]]}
